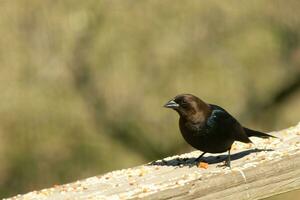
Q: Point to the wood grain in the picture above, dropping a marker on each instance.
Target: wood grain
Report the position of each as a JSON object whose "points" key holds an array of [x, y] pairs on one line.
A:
{"points": [[270, 167]]}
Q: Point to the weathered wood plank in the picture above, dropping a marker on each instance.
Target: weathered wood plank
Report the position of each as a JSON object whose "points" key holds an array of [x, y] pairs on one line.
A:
{"points": [[270, 167]]}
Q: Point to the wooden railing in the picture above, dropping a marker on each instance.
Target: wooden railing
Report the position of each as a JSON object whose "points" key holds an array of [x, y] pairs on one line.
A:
{"points": [[269, 167]]}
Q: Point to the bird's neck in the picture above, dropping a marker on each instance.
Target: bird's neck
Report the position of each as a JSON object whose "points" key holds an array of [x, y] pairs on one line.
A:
{"points": [[198, 116]]}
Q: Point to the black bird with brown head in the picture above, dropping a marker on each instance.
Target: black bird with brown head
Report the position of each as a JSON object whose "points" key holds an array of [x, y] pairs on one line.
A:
{"points": [[208, 127]]}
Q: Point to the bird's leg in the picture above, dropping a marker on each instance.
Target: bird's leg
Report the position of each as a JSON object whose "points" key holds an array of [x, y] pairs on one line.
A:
{"points": [[228, 161], [199, 158]]}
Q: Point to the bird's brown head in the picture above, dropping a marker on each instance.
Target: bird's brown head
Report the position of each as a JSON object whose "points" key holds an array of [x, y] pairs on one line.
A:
{"points": [[189, 106]]}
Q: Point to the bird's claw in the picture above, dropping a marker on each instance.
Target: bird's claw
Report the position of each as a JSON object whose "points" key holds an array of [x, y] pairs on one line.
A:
{"points": [[224, 165]]}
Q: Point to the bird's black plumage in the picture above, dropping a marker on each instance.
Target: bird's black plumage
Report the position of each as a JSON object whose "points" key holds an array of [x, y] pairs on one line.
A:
{"points": [[209, 127]]}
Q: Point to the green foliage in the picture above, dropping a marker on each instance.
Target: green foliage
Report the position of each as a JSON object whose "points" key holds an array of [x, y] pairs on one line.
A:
{"points": [[83, 82]]}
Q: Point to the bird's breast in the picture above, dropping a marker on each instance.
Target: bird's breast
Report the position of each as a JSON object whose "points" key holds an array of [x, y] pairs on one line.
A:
{"points": [[204, 138]]}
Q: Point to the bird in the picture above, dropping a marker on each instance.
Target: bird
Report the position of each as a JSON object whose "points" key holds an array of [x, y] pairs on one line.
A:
{"points": [[208, 127]]}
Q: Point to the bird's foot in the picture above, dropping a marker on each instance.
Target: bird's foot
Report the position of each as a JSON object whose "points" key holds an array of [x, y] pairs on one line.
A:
{"points": [[224, 165]]}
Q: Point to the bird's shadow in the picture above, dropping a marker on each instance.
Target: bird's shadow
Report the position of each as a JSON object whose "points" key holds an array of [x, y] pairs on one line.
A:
{"points": [[180, 162]]}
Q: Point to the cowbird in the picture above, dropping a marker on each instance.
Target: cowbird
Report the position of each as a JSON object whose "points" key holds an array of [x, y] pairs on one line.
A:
{"points": [[209, 128]]}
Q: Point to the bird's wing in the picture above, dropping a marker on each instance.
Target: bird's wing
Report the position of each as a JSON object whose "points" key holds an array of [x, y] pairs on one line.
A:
{"points": [[240, 134], [228, 123]]}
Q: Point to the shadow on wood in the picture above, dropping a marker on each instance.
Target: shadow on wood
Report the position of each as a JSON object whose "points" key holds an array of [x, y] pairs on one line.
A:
{"points": [[272, 167], [180, 162]]}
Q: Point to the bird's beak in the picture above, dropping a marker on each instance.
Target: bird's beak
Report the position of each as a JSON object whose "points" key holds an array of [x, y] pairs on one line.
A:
{"points": [[171, 104]]}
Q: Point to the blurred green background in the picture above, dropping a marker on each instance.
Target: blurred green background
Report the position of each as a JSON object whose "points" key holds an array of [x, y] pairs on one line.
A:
{"points": [[83, 82]]}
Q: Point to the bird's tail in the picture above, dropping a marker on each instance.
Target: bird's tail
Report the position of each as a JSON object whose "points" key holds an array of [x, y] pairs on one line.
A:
{"points": [[254, 133]]}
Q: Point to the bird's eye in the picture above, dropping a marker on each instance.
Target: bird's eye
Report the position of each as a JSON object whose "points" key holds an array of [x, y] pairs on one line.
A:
{"points": [[184, 104]]}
